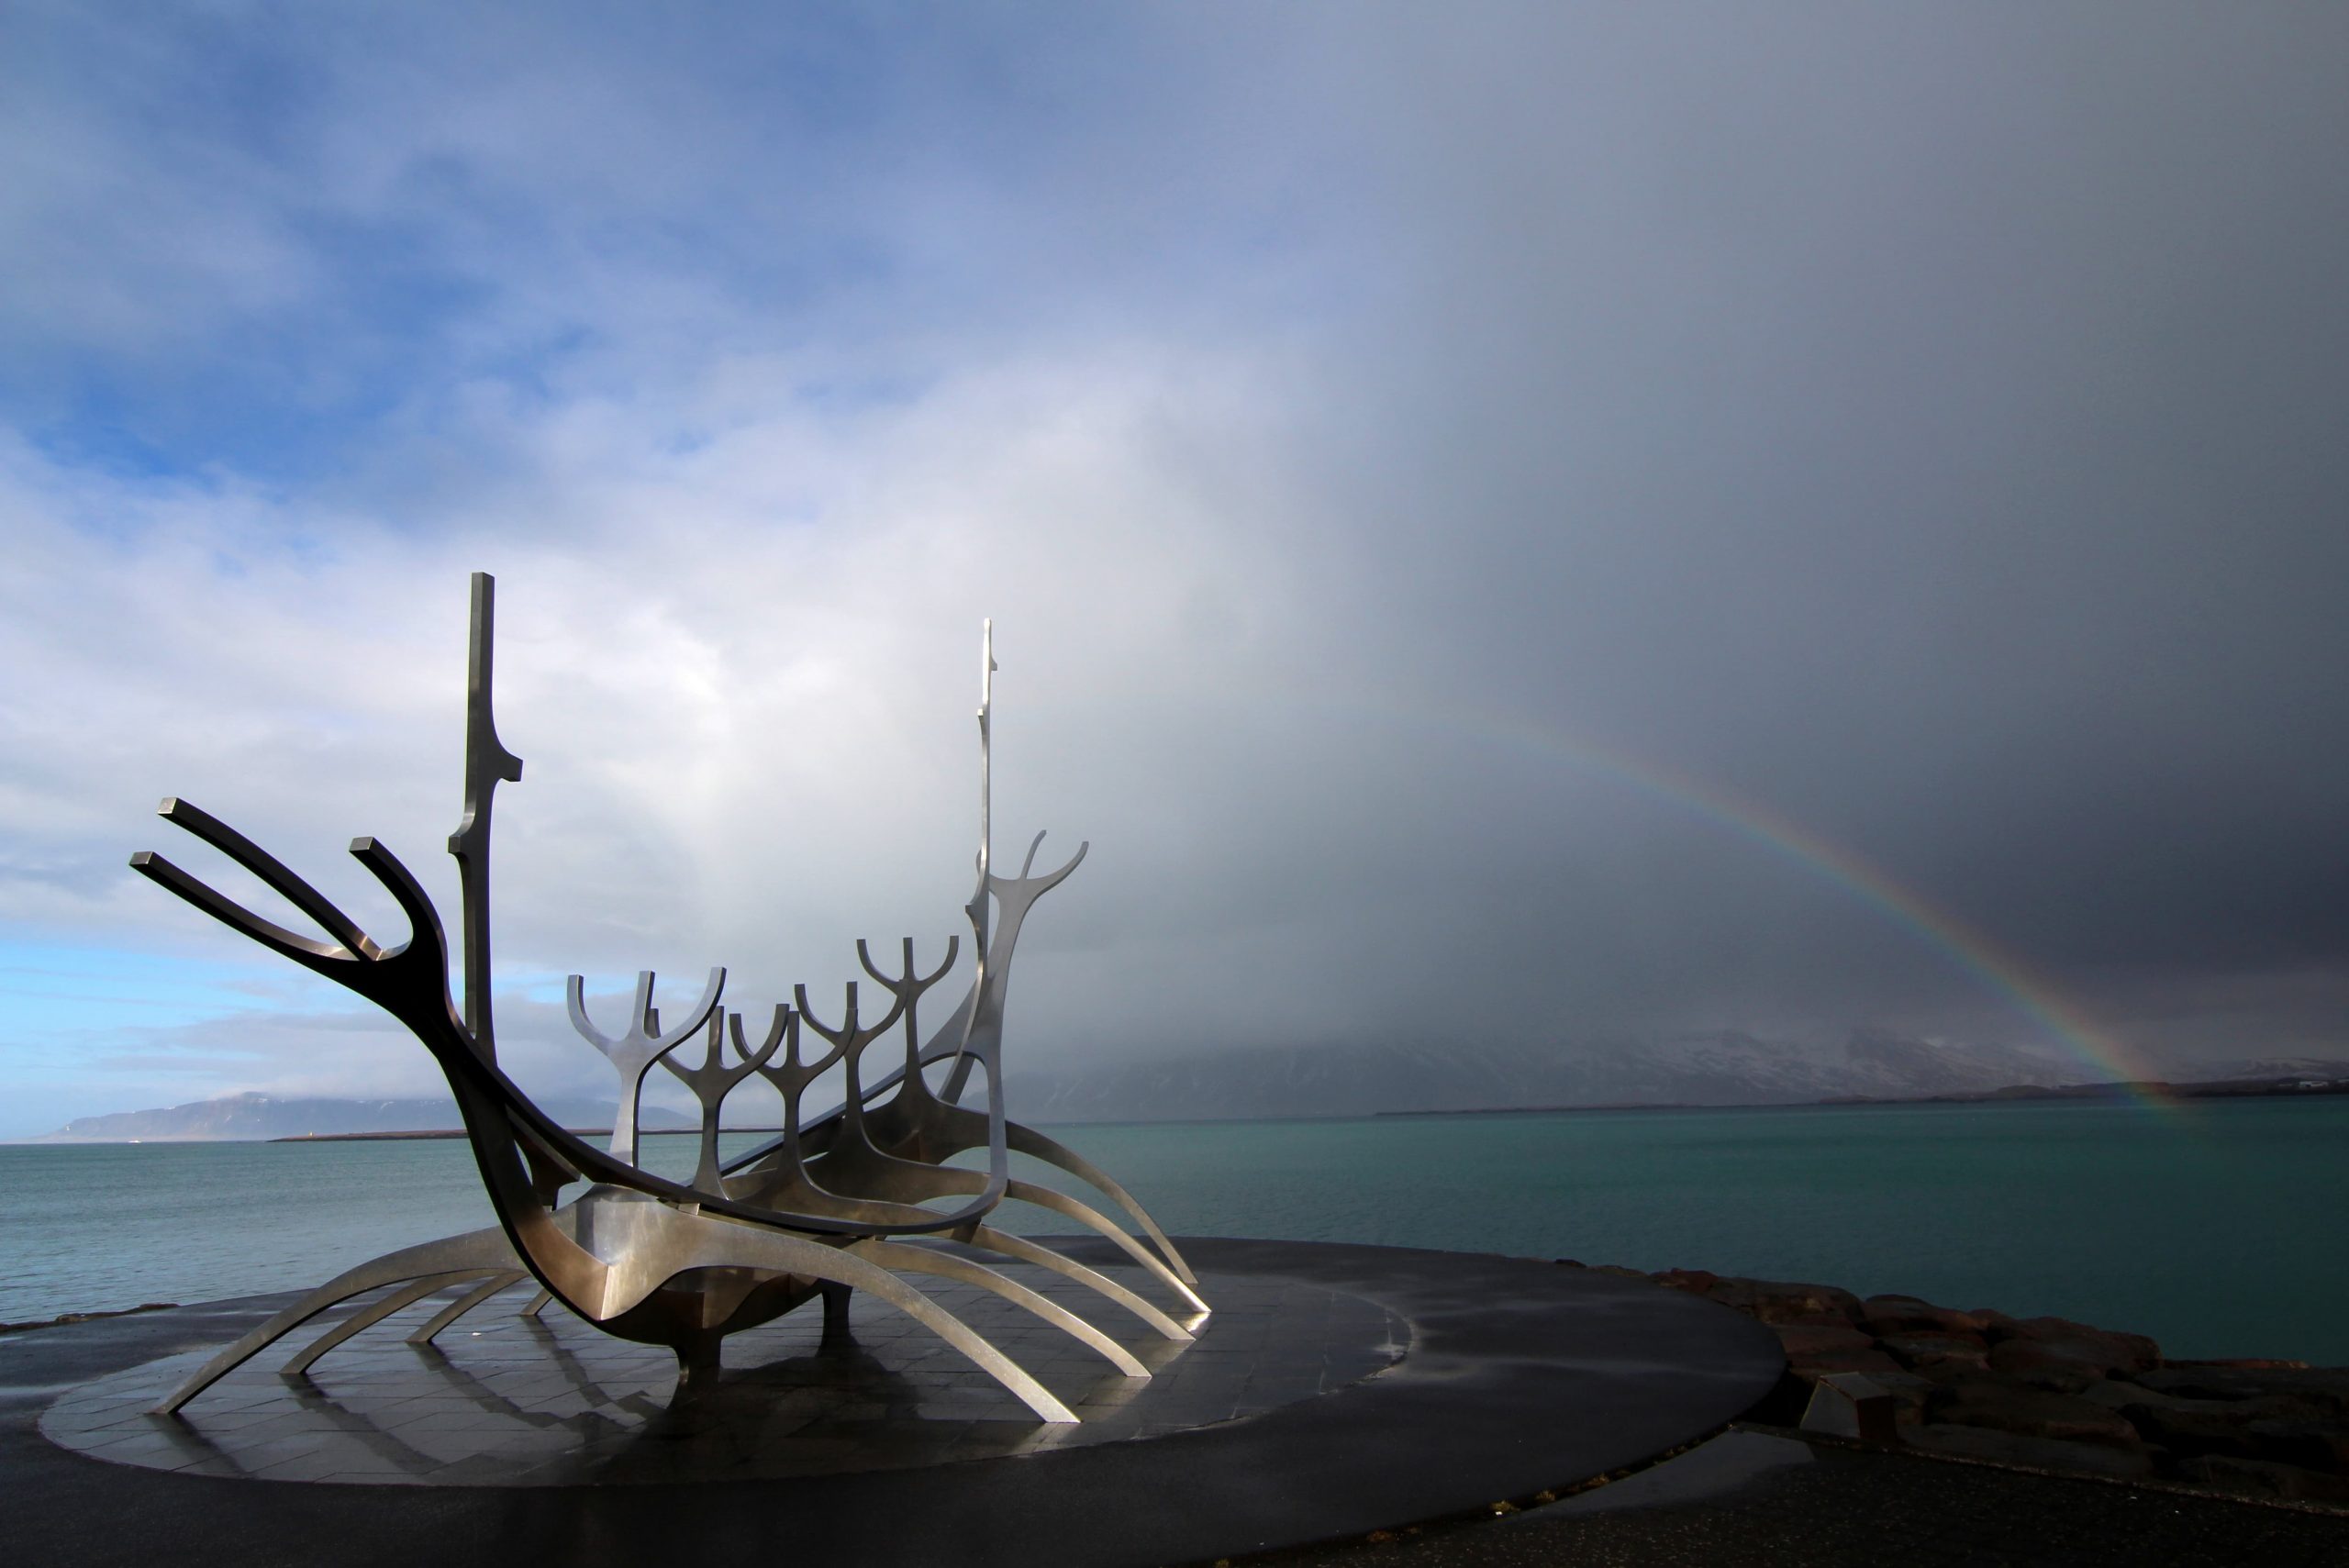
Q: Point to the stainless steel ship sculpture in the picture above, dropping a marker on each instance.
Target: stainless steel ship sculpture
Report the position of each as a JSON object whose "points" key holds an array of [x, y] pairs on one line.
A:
{"points": [[833, 1204]]}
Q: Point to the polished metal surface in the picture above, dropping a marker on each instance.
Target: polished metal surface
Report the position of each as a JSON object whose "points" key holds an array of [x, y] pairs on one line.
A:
{"points": [[639, 1045], [834, 1203], [487, 762]]}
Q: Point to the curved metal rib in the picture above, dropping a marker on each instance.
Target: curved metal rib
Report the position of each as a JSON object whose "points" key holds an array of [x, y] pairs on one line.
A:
{"points": [[908, 1259], [1026, 1140], [698, 1243], [1043, 1257], [948, 1179], [1093, 1220], [800, 1191], [482, 1249], [489, 1288], [368, 1317]]}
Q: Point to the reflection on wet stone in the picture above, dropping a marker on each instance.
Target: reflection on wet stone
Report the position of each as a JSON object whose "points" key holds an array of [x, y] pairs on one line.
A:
{"points": [[526, 1401]]}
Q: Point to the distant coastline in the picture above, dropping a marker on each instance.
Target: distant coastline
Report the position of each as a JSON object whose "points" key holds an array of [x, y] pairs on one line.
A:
{"points": [[2017, 1094], [460, 1132], [232, 1120]]}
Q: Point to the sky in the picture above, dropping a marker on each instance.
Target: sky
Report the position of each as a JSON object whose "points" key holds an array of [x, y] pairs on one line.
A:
{"points": [[1524, 524]]}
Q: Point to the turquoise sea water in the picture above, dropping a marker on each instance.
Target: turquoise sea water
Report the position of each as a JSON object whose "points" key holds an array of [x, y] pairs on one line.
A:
{"points": [[2218, 1227]]}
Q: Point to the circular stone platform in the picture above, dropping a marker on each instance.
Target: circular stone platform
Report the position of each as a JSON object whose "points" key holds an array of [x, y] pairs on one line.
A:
{"points": [[1336, 1390], [503, 1400]]}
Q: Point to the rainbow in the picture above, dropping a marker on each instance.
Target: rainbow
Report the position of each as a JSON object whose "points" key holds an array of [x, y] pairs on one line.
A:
{"points": [[1972, 951]]}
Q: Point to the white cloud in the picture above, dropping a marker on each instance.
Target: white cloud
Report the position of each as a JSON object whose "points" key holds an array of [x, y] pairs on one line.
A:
{"points": [[1342, 426]]}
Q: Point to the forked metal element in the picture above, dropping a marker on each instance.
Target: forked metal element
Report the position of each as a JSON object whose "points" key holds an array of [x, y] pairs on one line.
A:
{"points": [[638, 1046], [715, 1079], [833, 1204]]}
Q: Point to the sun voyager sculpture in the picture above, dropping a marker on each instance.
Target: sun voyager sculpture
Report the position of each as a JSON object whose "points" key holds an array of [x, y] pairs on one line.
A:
{"points": [[858, 1197]]}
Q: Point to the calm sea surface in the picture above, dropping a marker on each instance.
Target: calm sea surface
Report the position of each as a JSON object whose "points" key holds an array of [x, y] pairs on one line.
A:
{"points": [[2219, 1228]]}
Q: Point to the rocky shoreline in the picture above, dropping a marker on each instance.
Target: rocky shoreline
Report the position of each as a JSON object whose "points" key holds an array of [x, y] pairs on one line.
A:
{"points": [[64, 1317], [2044, 1392]]}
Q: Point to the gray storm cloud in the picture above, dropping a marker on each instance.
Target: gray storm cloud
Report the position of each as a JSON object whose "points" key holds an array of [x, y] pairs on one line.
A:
{"points": [[1509, 523]]}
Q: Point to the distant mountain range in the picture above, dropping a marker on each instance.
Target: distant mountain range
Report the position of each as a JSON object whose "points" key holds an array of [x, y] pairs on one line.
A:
{"points": [[258, 1117], [1726, 1068]]}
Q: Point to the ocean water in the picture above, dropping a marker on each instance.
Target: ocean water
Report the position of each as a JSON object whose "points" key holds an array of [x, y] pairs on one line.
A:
{"points": [[2218, 1227]]}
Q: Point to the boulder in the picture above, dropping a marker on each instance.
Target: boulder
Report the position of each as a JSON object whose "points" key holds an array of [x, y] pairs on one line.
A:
{"points": [[2000, 1406], [1808, 1320], [2062, 1366], [1882, 1315], [1874, 1363], [1775, 1301], [2319, 1390], [1697, 1281], [2200, 1428], [1996, 1325], [2320, 1445], [2035, 1453], [2118, 1350], [2119, 1394], [1937, 1354], [1772, 1301], [2263, 1478], [1801, 1340]]}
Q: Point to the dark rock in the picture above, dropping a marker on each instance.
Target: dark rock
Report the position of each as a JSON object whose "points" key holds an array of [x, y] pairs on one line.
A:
{"points": [[2263, 1430], [1882, 1315], [2310, 1445], [2263, 1478], [2118, 1350], [1777, 1301], [2028, 1412], [1801, 1340], [2203, 1428], [1772, 1301], [1697, 1281], [2062, 1366], [1874, 1363], [1938, 1352], [2035, 1453], [1812, 1320], [2322, 1390], [1996, 1325], [2119, 1394]]}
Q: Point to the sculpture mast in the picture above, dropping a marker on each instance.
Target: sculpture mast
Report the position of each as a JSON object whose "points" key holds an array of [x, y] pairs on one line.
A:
{"points": [[487, 762], [978, 907]]}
